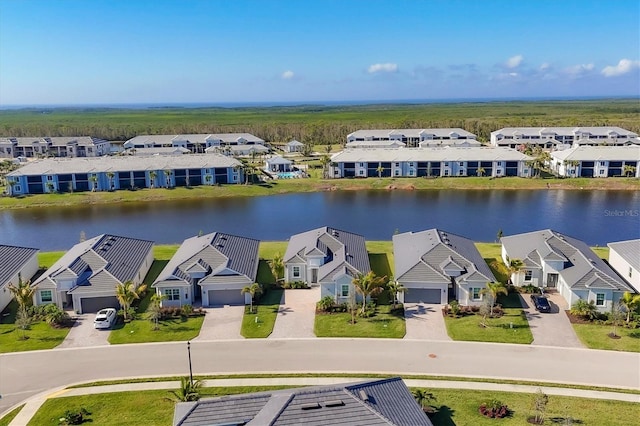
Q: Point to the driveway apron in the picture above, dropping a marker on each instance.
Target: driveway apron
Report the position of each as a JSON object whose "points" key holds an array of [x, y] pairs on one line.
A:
{"points": [[222, 322], [83, 334], [296, 315], [553, 328], [424, 322]]}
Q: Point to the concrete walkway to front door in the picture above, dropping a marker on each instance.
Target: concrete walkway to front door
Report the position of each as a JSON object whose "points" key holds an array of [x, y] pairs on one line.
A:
{"points": [[424, 322], [297, 314], [83, 334]]}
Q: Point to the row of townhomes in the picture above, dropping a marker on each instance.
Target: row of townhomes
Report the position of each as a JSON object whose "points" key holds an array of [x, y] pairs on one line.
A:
{"points": [[410, 138], [597, 161], [123, 172], [552, 138], [31, 147], [236, 143], [435, 267]]}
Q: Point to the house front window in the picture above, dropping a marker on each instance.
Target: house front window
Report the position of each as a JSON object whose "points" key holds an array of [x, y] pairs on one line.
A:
{"points": [[296, 272], [172, 293], [528, 274], [599, 299], [475, 294], [46, 296], [344, 290]]}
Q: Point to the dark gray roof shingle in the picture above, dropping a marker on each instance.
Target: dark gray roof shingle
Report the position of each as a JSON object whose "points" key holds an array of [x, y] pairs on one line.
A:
{"points": [[12, 260]]}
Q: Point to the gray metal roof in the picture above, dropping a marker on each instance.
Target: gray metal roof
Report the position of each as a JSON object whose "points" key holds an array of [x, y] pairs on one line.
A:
{"points": [[12, 260], [295, 143], [582, 267], [424, 256], [599, 153], [100, 263], [278, 160], [379, 402], [50, 166], [193, 138], [225, 258], [565, 131], [53, 141], [340, 248], [629, 251], [410, 133], [448, 153]]}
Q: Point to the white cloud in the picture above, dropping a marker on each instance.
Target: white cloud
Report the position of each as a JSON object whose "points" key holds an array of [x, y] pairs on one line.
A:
{"points": [[514, 61], [287, 75], [578, 70], [545, 66], [388, 67], [623, 67]]}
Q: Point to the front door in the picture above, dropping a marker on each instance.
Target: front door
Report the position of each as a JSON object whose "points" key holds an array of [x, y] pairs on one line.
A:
{"points": [[314, 276], [552, 280]]}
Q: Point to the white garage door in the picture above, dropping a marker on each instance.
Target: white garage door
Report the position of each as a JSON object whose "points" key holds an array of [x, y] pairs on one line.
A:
{"points": [[422, 295], [225, 297]]}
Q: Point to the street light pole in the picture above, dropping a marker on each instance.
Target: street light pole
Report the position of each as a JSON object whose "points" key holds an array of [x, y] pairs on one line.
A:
{"points": [[190, 370]]}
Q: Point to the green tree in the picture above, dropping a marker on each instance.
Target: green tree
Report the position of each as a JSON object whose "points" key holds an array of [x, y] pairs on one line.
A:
{"points": [[368, 285], [94, 182], [253, 290], [499, 235], [584, 309], [380, 170], [23, 293], [110, 176], [424, 398], [208, 178], [394, 287], [515, 266], [188, 391], [616, 316], [152, 178], [50, 187], [126, 293], [481, 171], [540, 401], [154, 310], [277, 267], [325, 160], [631, 302], [628, 170], [493, 290]]}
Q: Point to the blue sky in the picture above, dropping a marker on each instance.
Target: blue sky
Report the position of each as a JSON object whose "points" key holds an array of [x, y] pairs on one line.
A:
{"points": [[160, 51]]}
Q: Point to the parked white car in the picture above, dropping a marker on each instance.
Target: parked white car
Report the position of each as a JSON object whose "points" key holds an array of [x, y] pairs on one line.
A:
{"points": [[105, 318]]}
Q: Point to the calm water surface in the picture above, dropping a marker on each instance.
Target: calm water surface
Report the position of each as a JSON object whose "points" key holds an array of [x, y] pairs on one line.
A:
{"points": [[597, 217]]}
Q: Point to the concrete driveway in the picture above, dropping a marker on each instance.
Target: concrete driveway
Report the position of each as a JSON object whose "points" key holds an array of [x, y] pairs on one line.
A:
{"points": [[297, 313], [424, 322], [82, 334], [221, 323], [551, 329]]}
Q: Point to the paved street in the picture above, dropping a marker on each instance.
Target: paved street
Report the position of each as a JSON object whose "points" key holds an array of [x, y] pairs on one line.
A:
{"points": [[424, 321], [25, 374], [296, 315], [83, 334]]}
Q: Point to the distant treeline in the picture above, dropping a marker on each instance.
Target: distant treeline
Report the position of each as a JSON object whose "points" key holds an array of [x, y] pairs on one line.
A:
{"points": [[316, 124]]}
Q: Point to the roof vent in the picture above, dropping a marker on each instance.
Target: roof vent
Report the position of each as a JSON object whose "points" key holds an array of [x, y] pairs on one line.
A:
{"points": [[310, 406], [334, 403], [219, 245], [363, 395]]}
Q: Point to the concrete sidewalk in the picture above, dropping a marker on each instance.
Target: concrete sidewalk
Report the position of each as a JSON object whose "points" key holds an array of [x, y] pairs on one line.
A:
{"points": [[34, 404]]}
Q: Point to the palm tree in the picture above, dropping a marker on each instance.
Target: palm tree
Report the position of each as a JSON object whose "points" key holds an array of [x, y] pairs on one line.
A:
{"points": [[111, 175], [584, 309], [23, 293], [324, 162], [494, 289], [368, 285], [423, 398], [630, 302], [167, 177], [277, 267], [515, 266], [628, 170], [380, 170], [481, 171], [207, 179], [94, 182], [252, 289], [152, 178], [154, 309], [126, 293], [394, 287], [189, 391]]}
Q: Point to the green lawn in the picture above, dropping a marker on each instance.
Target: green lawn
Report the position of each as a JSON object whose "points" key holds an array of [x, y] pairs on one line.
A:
{"points": [[10, 416], [40, 335], [47, 259], [595, 336], [383, 325], [266, 313], [171, 330], [165, 251], [512, 327]]}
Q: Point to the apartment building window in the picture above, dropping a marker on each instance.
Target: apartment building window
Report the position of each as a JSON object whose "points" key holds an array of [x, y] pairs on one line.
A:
{"points": [[599, 299], [360, 172], [462, 164], [396, 172], [296, 272], [361, 164]]}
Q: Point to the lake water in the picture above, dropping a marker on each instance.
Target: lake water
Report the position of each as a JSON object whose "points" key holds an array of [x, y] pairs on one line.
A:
{"points": [[597, 217]]}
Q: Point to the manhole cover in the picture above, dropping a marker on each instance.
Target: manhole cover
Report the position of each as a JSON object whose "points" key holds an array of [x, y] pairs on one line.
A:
{"points": [[432, 355]]}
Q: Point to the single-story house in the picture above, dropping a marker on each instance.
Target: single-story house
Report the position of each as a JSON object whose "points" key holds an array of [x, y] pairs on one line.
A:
{"points": [[85, 278], [430, 162], [597, 161], [381, 402], [327, 257], [436, 266], [294, 146], [278, 164], [624, 258], [16, 263], [212, 269], [554, 260]]}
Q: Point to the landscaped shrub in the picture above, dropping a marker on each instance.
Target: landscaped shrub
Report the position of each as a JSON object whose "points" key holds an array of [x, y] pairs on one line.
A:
{"points": [[530, 288], [369, 310], [295, 284], [75, 417], [494, 409], [325, 304], [169, 312], [187, 310], [52, 315], [454, 308]]}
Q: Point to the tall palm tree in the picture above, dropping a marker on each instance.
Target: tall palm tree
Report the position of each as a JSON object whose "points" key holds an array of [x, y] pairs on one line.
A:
{"points": [[394, 287], [277, 267], [324, 162], [167, 177], [628, 170], [423, 398], [515, 266], [94, 182], [481, 171], [23, 293], [368, 285], [152, 178], [110, 175], [380, 170], [126, 293], [493, 290], [630, 302], [252, 289]]}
